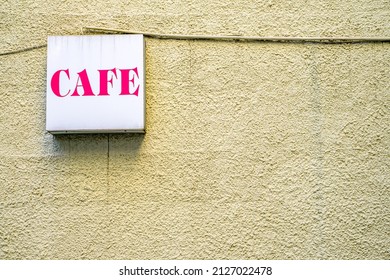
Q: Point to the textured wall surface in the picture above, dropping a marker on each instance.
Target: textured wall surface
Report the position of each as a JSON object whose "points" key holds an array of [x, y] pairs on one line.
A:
{"points": [[252, 150]]}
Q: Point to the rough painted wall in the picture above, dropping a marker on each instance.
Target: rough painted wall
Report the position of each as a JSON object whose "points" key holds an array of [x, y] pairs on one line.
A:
{"points": [[252, 150]]}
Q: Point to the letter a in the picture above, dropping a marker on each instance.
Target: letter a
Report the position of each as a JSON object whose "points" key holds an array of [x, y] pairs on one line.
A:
{"points": [[85, 84]]}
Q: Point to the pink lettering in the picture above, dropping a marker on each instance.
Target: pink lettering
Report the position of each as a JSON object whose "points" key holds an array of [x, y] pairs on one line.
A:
{"points": [[85, 84], [104, 80], [55, 82], [126, 79], [129, 84]]}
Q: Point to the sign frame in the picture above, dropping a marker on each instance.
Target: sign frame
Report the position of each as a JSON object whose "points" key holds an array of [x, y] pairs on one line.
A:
{"points": [[96, 84]]}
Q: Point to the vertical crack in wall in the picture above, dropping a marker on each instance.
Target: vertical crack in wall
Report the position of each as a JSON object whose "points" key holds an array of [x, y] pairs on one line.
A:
{"points": [[108, 167], [190, 70], [317, 153]]}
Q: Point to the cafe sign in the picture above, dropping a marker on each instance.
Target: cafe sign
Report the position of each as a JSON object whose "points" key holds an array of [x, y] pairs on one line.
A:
{"points": [[95, 84]]}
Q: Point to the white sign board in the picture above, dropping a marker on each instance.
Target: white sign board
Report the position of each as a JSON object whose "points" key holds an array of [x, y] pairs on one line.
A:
{"points": [[95, 84]]}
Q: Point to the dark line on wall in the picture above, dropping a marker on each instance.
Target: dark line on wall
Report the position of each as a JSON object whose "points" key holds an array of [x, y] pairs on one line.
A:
{"points": [[108, 163], [23, 50]]}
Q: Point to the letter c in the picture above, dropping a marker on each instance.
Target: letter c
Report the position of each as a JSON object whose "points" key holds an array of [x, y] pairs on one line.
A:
{"points": [[55, 82]]}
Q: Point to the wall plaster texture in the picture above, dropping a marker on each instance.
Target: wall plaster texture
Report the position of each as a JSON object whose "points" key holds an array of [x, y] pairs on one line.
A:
{"points": [[252, 151]]}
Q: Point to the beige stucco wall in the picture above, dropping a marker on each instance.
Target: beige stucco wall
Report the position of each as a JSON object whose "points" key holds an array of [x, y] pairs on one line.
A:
{"points": [[252, 151]]}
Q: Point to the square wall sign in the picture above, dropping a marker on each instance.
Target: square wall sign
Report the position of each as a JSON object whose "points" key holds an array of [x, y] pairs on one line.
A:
{"points": [[95, 84]]}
